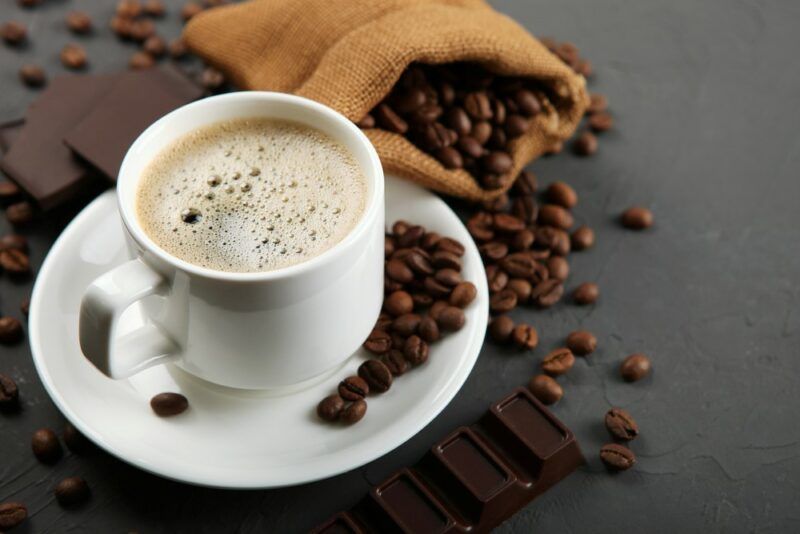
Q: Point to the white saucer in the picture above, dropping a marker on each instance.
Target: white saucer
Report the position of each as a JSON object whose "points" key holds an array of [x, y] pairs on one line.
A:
{"points": [[233, 438]]}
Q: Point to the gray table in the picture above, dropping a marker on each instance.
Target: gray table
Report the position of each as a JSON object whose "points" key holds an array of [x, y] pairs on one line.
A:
{"points": [[706, 98]]}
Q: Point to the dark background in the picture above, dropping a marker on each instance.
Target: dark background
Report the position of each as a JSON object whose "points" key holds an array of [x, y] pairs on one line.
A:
{"points": [[706, 98]]}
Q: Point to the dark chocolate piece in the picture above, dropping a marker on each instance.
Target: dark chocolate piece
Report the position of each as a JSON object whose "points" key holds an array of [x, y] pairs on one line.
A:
{"points": [[38, 160], [9, 131], [473, 479], [137, 100]]}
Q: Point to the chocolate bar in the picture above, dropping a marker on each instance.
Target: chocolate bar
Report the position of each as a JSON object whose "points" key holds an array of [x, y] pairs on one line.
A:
{"points": [[9, 132], [473, 479]]}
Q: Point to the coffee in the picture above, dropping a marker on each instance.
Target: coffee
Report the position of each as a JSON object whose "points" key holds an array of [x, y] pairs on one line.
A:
{"points": [[250, 195]]}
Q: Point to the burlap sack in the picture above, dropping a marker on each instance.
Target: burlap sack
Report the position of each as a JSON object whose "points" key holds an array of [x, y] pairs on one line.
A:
{"points": [[349, 53]]}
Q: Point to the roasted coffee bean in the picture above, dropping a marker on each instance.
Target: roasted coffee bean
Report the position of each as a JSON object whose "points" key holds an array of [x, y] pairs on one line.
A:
{"points": [[387, 119], [547, 292], [398, 303], [568, 53], [395, 362], [73, 56], [388, 246], [477, 105], [75, 441], [384, 322], [436, 309], [14, 261], [10, 330], [525, 208], [502, 222], [155, 46], [20, 213], [525, 336], [498, 112], [79, 22], [408, 100], [390, 286], [211, 79], [558, 361], [448, 277], [518, 265], [14, 241], [635, 367], [449, 157], [500, 328], [399, 227], [129, 8], [497, 162], [525, 184], [582, 238], [377, 375], [378, 342], [621, 425], [527, 102], [516, 125], [154, 8], [415, 350], [547, 237], [555, 215], [169, 404], [418, 261], [330, 407], [353, 388], [436, 288], [617, 457], [497, 204], [585, 144], [469, 146], [540, 274], [45, 446], [353, 412], [463, 294], [141, 60], [584, 67], [601, 122], [189, 10], [9, 393], [493, 251], [503, 301], [522, 240], [581, 342], [421, 300], [458, 120], [522, 288], [561, 194], [12, 514], [122, 26], [450, 245], [177, 48], [451, 319], [9, 191], [496, 278], [481, 132], [586, 293], [637, 218], [597, 103], [32, 76], [429, 241], [545, 389], [25, 306], [399, 271], [434, 136], [480, 226], [428, 329], [13, 32], [71, 492], [367, 121], [447, 94], [407, 324]]}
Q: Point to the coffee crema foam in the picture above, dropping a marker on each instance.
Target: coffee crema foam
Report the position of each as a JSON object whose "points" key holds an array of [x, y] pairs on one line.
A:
{"points": [[251, 195]]}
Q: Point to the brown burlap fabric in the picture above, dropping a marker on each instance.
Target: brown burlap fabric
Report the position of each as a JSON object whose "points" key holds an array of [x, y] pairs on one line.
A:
{"points": [[349, 53]]}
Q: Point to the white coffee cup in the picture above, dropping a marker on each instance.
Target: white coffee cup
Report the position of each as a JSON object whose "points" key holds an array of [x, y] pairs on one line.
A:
{"points": [[245, 330]]}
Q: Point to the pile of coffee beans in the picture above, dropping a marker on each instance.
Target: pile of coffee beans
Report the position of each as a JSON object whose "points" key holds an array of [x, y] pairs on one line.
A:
{"points": [[424, 298], [462, 115]]}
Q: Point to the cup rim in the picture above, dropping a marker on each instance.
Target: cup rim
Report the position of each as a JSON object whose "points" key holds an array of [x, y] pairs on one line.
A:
{"points": [[373, 174]]}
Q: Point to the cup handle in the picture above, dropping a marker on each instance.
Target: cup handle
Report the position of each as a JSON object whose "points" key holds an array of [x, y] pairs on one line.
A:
{"points": [[103, 303]]}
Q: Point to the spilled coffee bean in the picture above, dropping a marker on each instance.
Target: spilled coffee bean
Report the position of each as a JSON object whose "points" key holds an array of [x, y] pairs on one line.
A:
{"points": [[169, 404], [72, 492], [376, 375], [353, 412], [621, 425], [353, 388], [330, 407], [9, 393], [45, 446], [617, 457], [558, 361], [635, 367], [581, 342], [12, 515], [545, 389]]}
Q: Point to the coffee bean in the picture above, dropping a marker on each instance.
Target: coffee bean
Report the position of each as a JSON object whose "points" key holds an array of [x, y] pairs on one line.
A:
{"points": [[75, 441], [10, 330], [20, 213], [586, 293], [436, 309], [436, 288], [9, 191], [390, 286], [353, 388], [154, 8], [522, 288], [493, 251], [155, 46], [442, 259], [211, 79], [415, 350], [518, 265], [409, 100], [141, 60], [418, 261], [429, 329], [522, 240], [79, 22], [377, 375], [500, 328], [434, 136], [353, 412], [421, 300], [9, 393], [496, 278], [516, 125], [169, 404], [561, 194], [406, 324], [480, 226], [582, 238], [177, 48], [581, 342], [330, 407], [129, 8], [527, 102], [526, 209], [457, 119], [378, 342], [597, 103], [498, 112], [387, 119], [14, 241], [547, 292], [557, 268], [540, 273], [448, 277], [190, 9], [395, 362], [399, 271], [72, 492], [545, 389], [502, 222], [469, 146], [617, 457], [449, 157], [463, 294], [45, 446], [25, 306], [621, 425], [429, 241], [601, 122], [635, 367], [451, 246], [29, 3], [73, 56], [558, 361], [398, 303], [481, 132], [585, 144], [525, 184], [14, 261], [555, 215], [525, 336], [497, 162], [451, 319], [637, 218], [14, 33], [32, 76], [477, 105], [503, 301], [12, 514]]}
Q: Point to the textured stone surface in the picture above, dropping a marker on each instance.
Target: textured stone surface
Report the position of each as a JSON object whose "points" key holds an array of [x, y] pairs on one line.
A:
{"points": [[704, 96]]}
